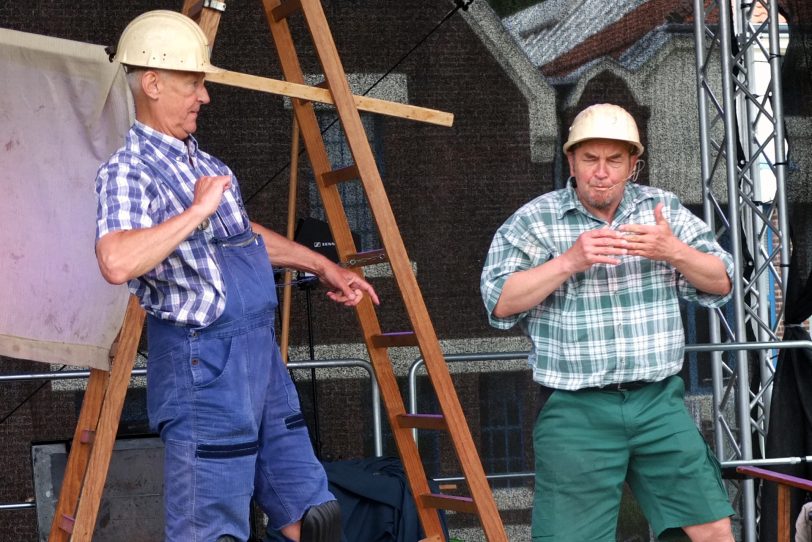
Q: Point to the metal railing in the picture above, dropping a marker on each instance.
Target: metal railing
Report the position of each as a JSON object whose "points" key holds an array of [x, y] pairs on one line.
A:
{"points": [[377, 432], [419, 363], [413, 393]]}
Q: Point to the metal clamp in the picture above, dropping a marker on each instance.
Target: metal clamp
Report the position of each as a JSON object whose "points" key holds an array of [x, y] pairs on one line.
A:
{"points": [[368, 258], [215, 4]]}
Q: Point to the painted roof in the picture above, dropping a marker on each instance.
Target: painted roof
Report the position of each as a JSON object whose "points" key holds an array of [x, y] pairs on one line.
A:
{"points": [[564, 37], [549, 29]]}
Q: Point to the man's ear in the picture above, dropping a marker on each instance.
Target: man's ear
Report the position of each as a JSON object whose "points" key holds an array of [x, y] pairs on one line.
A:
{"points": [[571, 159], [150, 84]]}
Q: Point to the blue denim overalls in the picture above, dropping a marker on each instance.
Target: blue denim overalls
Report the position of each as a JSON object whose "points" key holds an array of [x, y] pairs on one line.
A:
{"points": [[227, 411]]}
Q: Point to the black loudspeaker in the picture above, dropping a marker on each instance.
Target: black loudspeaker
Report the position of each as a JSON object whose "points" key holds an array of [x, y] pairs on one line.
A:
{"points": [[315, 235]]}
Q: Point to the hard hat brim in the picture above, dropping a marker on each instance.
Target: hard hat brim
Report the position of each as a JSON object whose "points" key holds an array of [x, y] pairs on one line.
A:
{"points": [[570, 144]]}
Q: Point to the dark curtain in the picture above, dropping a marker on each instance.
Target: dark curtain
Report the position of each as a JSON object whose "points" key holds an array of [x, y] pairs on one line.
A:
{"points": [[790, 430]]}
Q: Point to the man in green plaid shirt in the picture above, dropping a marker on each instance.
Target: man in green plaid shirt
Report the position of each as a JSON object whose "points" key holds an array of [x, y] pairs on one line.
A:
{"points": [[593, 274]]}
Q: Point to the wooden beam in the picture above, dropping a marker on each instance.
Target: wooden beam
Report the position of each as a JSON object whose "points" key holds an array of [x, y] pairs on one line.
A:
{"points": [[783, 512], [314, 94], [777, 477], [293, 189], [207, 18]]}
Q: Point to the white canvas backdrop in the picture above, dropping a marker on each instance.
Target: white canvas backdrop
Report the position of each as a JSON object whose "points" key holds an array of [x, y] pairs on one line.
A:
{"points": [[64, 108]]}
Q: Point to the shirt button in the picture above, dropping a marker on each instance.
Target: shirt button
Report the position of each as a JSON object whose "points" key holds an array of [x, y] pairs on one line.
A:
{"points": [[195, 361]]}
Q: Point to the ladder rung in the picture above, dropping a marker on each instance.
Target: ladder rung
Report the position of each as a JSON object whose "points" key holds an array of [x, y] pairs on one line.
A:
{"points": [[340, 175], [285, 9], [422, 421], [448, 502], [371, 257], [66, 523], [398, 338]]}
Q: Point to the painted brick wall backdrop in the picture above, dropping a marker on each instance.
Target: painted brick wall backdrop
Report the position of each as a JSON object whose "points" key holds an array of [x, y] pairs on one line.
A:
{"points": [[448, 189]]}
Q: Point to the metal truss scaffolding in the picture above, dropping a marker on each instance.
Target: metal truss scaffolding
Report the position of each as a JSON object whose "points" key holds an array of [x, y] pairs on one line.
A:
{"points": [[743, 178]]}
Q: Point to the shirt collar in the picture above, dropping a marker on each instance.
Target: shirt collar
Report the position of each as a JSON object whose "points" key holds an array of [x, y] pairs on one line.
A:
{"points": [[167, 144], [632, 196]]}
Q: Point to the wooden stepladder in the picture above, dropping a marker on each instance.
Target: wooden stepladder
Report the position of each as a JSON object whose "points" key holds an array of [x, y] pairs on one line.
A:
{"points": [[379, 343]]}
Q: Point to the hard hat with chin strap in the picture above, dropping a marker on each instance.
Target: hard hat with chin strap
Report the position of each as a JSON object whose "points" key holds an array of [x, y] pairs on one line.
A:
{"points": [[604, 121], [166, 40]]}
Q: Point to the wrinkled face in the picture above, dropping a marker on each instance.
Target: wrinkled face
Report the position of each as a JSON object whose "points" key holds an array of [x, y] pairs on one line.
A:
{"points": [[180, 96], [601, 168]]}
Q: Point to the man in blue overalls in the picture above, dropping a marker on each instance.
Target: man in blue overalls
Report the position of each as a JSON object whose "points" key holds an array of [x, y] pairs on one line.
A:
{"points": [[171, 223]]}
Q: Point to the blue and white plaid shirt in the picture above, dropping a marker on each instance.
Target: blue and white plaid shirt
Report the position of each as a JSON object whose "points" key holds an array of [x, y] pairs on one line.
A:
{"points": [[147, 181], [608, 324]]}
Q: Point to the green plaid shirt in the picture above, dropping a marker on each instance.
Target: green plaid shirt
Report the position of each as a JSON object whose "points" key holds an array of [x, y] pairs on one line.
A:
{"points": [[608, 324]]}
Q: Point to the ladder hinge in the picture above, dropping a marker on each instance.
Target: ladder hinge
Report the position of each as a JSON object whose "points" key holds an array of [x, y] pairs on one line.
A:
{"points": [[448, 502], [285, 9], [422, 421], [197, 8], [215, 5], [113, 349], [340, 175], [371, 257], [399, 338]]}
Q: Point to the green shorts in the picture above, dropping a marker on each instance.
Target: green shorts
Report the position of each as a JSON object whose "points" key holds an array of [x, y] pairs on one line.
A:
{"points": [[588, 442]]}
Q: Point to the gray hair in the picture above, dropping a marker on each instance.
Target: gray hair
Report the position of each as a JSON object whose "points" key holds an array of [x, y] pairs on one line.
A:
{"points": [[134, 79]]}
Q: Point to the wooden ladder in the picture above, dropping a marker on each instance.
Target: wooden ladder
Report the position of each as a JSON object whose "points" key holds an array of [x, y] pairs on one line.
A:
{"points": [[379, 343]]}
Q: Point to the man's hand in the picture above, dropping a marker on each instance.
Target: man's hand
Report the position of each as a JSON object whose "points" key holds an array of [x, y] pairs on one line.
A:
{"points": [[526, 289], [595, 246], [346, 286], [209, 192], [705, 272], [126, 254], [655, 242]]}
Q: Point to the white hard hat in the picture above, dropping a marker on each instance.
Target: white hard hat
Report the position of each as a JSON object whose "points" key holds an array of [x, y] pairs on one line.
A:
{"points": [[165, 40], [604, 121]]}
